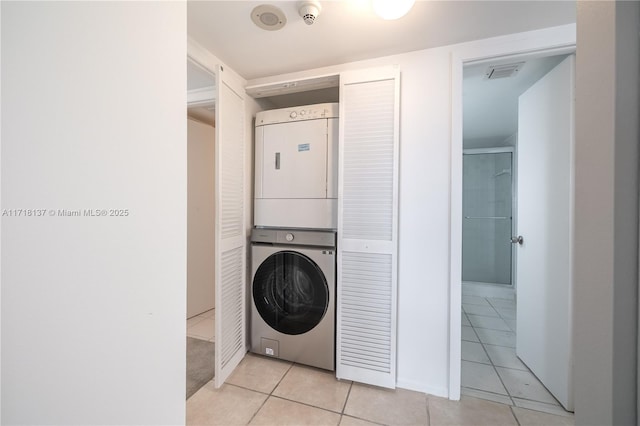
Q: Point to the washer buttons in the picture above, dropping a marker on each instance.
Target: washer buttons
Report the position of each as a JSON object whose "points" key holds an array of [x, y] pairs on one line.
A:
{"points": [[289, 237]]}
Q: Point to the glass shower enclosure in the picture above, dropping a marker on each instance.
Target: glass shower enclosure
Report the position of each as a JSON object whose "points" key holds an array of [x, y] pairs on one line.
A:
{"points": [[487, 209]]}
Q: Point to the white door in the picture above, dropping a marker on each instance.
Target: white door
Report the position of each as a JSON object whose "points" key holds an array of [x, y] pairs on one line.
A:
{"points": [[230, 234], [545, 209], [368, 226], [291, 150]]}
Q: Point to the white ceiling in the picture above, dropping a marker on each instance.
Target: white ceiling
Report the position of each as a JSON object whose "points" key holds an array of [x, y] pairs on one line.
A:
{"points": [[347, 30], [490, 107]]}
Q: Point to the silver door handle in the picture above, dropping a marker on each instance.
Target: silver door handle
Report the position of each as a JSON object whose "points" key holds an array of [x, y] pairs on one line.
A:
{"points": [[517, 240], [277, 161]]}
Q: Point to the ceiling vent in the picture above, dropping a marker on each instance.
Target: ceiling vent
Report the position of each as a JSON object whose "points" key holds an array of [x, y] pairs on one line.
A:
{"points": [[268, 17], [503, 71]]}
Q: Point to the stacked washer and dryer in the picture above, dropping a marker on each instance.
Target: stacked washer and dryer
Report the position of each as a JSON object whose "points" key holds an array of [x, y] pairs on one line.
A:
{"points": [[293, 244]]}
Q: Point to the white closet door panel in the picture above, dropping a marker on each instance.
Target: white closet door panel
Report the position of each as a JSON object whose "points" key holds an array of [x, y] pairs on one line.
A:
{"points": [[231, 250], [368, 226]]}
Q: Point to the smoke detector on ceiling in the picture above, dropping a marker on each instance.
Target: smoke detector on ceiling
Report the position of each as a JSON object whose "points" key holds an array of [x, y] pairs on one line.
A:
{"points": [[503, 71], [309, 11], [268, 17]]}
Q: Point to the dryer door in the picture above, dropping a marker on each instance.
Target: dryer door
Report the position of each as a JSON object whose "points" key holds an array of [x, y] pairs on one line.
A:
{"points": [[294, 163], [290, 292]]}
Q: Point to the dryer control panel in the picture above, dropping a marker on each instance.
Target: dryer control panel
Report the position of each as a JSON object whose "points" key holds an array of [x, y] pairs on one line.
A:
{"points": [[309, 112]]}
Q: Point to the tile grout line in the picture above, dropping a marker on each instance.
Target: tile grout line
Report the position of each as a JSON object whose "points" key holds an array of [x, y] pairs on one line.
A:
{"points": [[340, 413], [494, 367], [526, 366], [503, 318], [513, 413], [346, 400], [499, 377], [306, 404], [270, 393]]}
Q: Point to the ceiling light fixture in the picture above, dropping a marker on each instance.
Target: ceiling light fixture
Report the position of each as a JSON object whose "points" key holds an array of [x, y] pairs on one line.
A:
{"points": [[392, 9], [268, 17]]}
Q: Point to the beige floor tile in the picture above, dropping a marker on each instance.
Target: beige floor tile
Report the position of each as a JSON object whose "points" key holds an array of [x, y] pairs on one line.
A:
{"points": [[507, 313], [489, 396], [469, 411], [480, 310], [496, 337], [474, 300], [481, 377], [497, 302], [229, 405], [352, 421], [493, 323], [468, 334], [193, 321], [397, 407], [259, 373], [204, 329], [465, 320], [281, 412], [536, 418], [314, 387], [472, 351], [502, 356], [209, 314], [523, 384], [541, 406]]}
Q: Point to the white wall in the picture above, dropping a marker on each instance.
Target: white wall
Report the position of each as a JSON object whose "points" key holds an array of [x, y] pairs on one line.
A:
{"points": [[93, 308], [200, 217], [606, 227], [425, 197]]}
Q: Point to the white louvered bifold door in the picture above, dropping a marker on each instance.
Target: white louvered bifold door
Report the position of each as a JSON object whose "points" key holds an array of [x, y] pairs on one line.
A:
{"points": [[230, 235], [368, 226]]}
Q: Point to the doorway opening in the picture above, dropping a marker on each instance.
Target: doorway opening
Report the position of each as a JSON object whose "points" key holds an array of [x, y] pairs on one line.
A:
{"points": [[491, 364], [488, 203], [200, 226]]}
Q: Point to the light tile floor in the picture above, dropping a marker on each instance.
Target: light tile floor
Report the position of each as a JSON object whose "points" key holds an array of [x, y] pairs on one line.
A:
{"points": [[202, 326], [490, 368], [267, 391], [498, 389]]}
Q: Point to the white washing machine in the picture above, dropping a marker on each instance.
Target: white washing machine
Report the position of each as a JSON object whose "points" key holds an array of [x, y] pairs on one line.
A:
{"points": [[293, 295], [296, 167]]}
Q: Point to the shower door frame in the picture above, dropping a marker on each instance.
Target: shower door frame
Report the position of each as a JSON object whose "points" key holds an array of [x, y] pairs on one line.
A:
{"points": [[514, 206]]}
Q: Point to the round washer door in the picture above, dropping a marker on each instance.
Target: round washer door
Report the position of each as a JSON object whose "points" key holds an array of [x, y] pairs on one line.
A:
{"points": [[290, 292]]}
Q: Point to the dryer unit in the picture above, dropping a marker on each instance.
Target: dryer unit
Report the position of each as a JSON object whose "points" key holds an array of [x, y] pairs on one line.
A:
{"points": [[296, 167]]}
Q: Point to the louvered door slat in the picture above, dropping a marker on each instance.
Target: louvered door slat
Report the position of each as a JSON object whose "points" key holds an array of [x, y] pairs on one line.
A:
{"points": [[367, 227], [230, 252]]}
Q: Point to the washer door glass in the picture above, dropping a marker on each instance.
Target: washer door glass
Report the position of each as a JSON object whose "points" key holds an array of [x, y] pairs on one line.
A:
{"points": [[290, 292]]}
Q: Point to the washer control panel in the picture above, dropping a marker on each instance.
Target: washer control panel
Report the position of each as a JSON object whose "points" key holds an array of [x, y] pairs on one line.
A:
{"points": [[297, 237]]}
